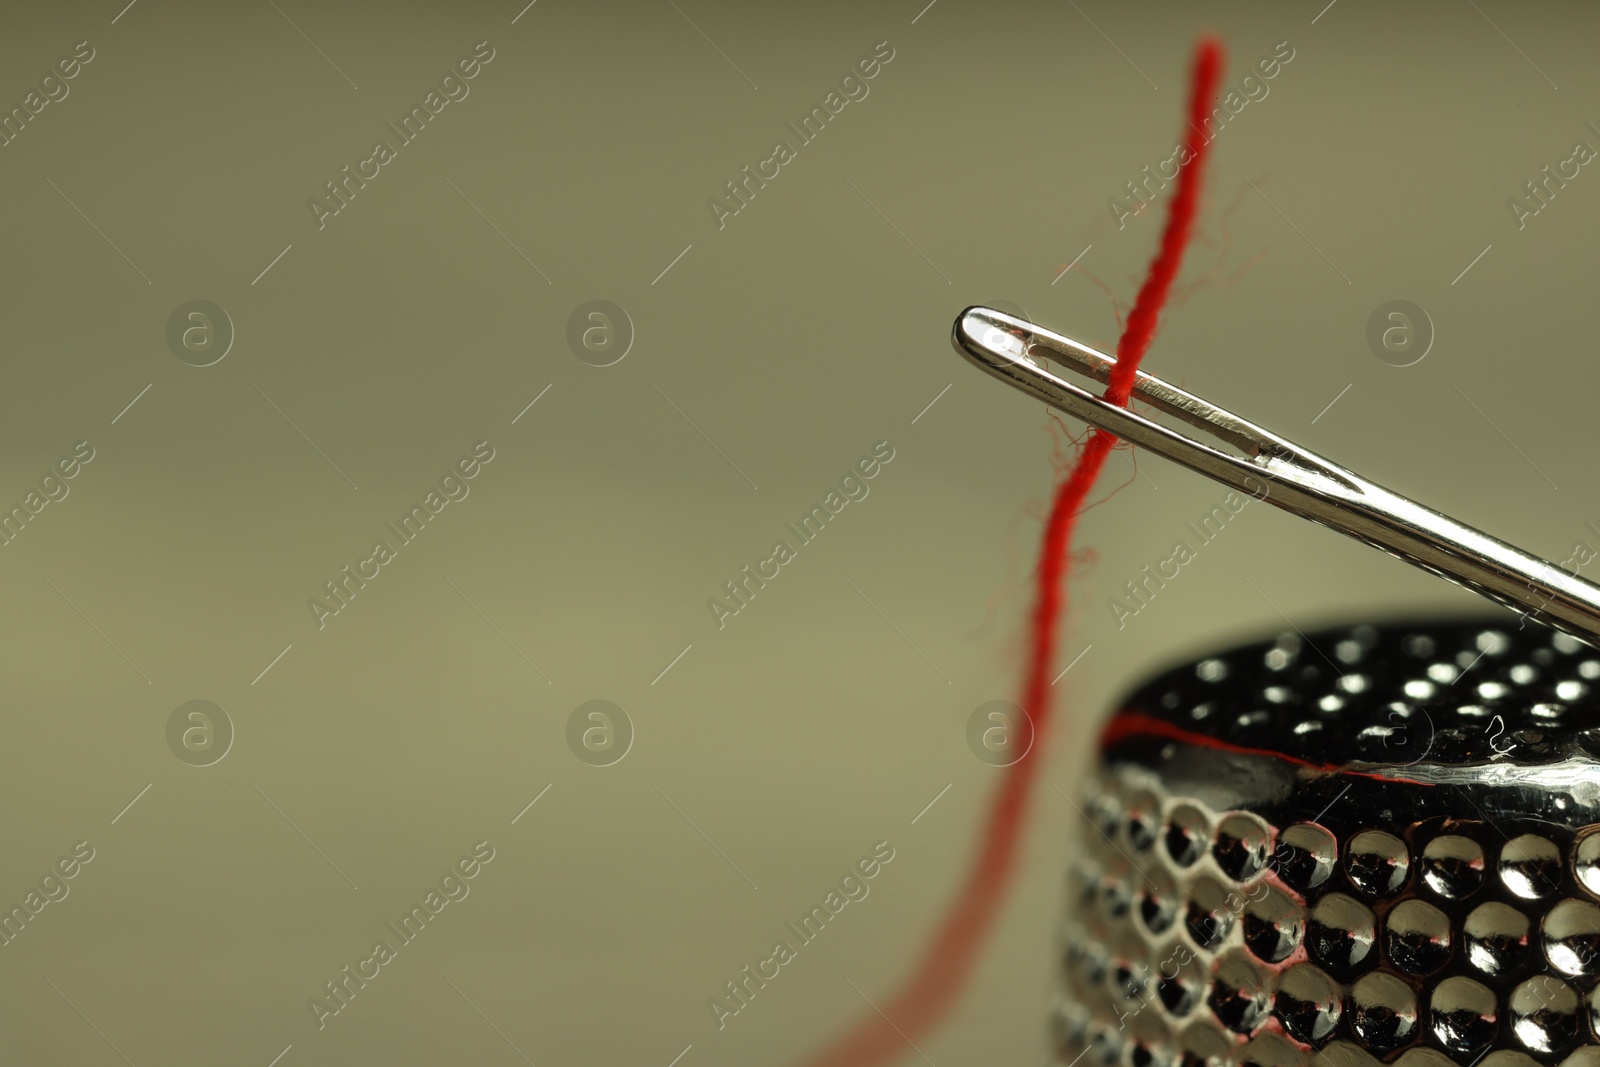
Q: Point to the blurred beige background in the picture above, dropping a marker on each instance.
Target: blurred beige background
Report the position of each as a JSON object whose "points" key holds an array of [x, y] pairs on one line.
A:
{"points": [[370, 755]]}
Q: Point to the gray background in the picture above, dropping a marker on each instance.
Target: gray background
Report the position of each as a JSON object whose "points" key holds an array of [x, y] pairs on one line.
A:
{"points": [[824, 717]]}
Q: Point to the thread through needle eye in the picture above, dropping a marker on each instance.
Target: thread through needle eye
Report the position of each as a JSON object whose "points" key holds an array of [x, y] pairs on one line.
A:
{"points": [[1246, 457]]}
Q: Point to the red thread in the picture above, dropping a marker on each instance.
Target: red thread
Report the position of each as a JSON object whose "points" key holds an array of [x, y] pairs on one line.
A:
{"points": [[1133, 724], [948, 961]]}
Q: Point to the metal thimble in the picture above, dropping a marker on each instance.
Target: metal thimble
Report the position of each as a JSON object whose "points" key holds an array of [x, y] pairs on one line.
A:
{"points": [[1376, 844]]}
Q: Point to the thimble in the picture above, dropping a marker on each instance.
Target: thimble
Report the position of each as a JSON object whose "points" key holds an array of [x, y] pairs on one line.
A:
{"points": [[1372, 844]]}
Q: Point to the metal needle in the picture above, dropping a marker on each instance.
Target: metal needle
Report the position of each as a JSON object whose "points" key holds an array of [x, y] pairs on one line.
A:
{"points": [[1246, 457]]}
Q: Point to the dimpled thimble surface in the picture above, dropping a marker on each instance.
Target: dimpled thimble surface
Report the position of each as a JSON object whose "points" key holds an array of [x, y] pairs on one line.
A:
{"points": [[1376, 844]]}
